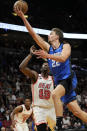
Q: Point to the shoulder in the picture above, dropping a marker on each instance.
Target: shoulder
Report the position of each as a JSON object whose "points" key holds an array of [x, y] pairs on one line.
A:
{"points": [[23, 106], [34, 77], [67, 45], [18, 108]]}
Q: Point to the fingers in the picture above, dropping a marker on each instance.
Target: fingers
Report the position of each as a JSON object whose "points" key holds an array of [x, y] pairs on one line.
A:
{"points": [[17, 10], [37, 52], [38, 57], [32, 49]]}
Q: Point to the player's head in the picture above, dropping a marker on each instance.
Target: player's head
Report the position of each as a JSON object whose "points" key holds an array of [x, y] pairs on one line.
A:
{"points": [[27, 102], [56, 34], [45, 68]]}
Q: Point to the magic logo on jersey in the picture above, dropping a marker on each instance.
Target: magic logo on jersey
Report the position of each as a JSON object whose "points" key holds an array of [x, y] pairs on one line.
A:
{"points": [[56, 63]]}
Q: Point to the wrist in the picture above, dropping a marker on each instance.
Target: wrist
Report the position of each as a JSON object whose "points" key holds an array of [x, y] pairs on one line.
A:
{"points": [[49, 56], [22, 16], [31, 54]]}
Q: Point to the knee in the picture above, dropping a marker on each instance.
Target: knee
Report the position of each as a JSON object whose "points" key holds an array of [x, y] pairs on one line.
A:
{"points": [[55, 95], [76, 113]]}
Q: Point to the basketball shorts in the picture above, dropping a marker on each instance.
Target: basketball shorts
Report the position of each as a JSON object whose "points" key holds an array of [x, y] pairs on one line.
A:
{"points": [[21, 127], [41, 114], [70, 85]]}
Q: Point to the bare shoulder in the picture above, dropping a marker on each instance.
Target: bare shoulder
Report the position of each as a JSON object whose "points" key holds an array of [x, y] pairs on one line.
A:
{"points": [[66, 45], [20, 107], [67, 49], [34, 76]]}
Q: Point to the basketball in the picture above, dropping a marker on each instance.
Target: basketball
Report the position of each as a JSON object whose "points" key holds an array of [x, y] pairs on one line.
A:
{"points": [[22, 5]]}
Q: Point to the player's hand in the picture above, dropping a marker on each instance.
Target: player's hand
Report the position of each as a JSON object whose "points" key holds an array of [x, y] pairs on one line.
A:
{"points": [[18, 11], [41, 54], [32, 50], [13, 123]]}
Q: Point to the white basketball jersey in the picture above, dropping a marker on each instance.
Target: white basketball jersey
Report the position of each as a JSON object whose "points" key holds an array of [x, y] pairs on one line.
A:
{"points": [[21, 117], [41, 92]]}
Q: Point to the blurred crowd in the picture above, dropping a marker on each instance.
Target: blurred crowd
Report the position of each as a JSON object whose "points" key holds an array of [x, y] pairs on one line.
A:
{"points": [[14, 86]]}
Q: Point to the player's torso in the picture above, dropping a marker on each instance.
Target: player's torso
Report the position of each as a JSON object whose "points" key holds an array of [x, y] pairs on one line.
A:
{"points": [[41, 91], [60, 70], [23, 116]]}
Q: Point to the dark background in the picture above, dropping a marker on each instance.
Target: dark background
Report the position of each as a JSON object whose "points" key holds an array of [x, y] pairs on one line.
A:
{"points": [[69, 15]]}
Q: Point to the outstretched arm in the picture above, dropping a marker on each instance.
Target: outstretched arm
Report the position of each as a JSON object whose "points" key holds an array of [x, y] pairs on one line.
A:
{"points": [[43, 44], [33, 75], [59, 58]]}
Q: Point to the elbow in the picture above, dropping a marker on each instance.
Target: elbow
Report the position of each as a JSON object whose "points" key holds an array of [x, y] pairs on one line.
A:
{"points": [[20, 67], [63, 59]]}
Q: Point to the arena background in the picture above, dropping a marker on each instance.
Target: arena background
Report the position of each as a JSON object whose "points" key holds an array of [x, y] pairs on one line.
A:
{"points": [[71, 17]]}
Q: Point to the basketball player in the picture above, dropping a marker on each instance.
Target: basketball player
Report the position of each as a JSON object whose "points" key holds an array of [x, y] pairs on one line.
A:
{"points": [[42, 86], [19, 116], [58, 55]]}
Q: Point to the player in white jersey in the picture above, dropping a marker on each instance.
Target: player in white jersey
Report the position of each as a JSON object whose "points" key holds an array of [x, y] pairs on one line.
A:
{"points": [[42, 86], [19, 116]]}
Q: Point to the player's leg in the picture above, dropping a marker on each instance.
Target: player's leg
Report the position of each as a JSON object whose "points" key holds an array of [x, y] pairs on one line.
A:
{"points": [[63, 89], [57, 93], [18, 127], [76, 110], [40, 118], [51, 118], [25, 127]]}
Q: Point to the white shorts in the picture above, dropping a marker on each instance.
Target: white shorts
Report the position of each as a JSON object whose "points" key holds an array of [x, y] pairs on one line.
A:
{"points": [[21, 127], [41, 114]]}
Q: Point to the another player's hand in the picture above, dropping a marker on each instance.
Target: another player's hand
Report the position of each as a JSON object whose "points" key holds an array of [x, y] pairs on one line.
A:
{"points": [[13, 123], [18, 11], [32, 50], [41, 54]]}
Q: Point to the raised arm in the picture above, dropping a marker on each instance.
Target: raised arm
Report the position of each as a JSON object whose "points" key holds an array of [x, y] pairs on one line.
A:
{"points": [[39, 40], [33, 75]]}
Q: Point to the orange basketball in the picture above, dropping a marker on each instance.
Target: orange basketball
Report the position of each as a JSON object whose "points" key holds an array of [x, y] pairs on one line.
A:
{"points": [[21, 4]]}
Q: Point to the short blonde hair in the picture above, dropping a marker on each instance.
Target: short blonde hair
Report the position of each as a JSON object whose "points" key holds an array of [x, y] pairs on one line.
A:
{"points": [[59, 32]]}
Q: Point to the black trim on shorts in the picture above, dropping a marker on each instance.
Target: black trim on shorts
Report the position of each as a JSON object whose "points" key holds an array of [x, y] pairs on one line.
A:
{"points": [[67, 84], [42, 127], [70, 100]]}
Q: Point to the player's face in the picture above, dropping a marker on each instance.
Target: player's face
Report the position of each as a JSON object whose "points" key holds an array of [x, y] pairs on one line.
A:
{"points": [[45, 67], [52, 37], [28, 102]]}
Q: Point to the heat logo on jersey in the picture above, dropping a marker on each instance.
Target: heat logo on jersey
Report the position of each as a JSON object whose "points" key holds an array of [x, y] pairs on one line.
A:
{"points": [[44, 92]]}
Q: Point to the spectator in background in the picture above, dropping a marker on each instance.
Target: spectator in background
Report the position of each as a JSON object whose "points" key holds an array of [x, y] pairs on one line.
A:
{"points": [[66, 122], [2, 109], [0, 124], [18, 84], [78, 98], [3, 129]]}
